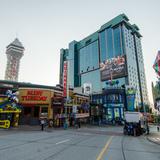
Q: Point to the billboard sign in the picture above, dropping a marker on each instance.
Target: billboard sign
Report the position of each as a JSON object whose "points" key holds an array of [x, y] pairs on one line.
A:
{"points": [[87, 88], [65, 79], [113, 68]]}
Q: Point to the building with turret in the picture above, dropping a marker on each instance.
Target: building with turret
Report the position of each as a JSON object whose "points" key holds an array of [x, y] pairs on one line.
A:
{"points": [[14, 52]]}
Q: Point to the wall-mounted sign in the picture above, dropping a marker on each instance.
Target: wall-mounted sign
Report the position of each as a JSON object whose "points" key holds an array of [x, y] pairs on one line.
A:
{"points": [[65, 79], [87, 88], [34, 96], [113, 68]]}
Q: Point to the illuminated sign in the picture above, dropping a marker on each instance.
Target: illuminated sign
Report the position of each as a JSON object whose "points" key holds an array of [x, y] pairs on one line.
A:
{"points": [[113, 68], [34, 96]]}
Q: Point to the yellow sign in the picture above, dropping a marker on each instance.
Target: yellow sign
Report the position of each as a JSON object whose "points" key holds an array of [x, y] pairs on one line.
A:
{"points": [[4, 123], [6, 111], [34, 96]]}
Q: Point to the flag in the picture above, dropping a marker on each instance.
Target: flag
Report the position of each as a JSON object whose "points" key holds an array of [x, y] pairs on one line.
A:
{"points": [[156, 65]]}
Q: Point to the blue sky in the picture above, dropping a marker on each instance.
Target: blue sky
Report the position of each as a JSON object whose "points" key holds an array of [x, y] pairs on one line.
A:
{"points": [[46, 26]]}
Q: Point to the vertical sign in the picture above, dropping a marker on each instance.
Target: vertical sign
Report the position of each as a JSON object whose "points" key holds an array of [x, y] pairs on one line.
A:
{"points": [[65, 79], [130, 93], [130, 102]]}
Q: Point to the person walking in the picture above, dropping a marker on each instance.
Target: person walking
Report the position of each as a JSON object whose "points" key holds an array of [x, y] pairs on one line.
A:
{"points": [[42, 124], [158, 128]]}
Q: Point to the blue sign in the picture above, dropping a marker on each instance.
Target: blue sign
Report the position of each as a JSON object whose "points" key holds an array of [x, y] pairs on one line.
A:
{"points": [[130, 102]]}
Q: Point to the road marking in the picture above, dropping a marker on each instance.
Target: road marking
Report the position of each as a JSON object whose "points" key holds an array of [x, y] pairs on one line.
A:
{"points": [[63, 141], [104, 149]]}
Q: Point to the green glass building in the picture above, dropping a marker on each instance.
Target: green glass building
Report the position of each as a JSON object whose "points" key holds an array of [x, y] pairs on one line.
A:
{"points": [[116, 38]]}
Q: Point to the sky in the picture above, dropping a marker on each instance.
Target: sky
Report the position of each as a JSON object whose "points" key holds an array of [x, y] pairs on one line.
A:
{"points": [[46, 26]]}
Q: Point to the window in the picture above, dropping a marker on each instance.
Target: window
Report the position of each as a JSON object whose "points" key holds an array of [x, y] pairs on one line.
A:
{"points": [[111, 44], [110, 53], [44, 110], [89, 57], [102, 38]]}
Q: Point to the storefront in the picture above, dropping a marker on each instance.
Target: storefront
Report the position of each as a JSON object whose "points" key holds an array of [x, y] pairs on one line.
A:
{"points": [[109, 106], [36, 104], [58, 108]]}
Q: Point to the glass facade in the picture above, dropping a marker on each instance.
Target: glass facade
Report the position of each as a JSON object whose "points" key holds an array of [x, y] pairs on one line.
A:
{"points": [[93, 78], [117, 41], [110, 52], [112, 39], [103, 50], [89, 57], [110, 43]]}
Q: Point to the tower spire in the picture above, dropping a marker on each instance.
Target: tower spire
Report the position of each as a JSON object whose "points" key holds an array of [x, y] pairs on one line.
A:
{"points": [[14, 52]]}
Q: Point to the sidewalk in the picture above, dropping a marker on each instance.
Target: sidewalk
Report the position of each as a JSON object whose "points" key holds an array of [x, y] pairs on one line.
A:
{"points": [[84, 128], [27, 128], [154, 135]]}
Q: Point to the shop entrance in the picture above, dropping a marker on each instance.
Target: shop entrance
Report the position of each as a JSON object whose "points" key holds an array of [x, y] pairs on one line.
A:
{"points": [[30, 115], [114, 114]]}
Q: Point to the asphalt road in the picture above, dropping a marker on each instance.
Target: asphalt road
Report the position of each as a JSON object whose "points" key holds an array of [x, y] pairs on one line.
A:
{"points": [[97, 143]]}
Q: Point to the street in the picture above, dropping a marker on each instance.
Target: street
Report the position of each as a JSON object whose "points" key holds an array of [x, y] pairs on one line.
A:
{"points": [[86, 143]]}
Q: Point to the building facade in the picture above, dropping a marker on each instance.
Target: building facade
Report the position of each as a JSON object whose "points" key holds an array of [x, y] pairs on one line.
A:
{"points": [[47, 102], [14, 53], [108, 106], [112, 52], [156, 95]]}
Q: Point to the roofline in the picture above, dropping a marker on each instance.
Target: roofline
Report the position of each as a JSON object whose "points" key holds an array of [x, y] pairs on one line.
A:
{"points": [[29, 85], [122, 18]]}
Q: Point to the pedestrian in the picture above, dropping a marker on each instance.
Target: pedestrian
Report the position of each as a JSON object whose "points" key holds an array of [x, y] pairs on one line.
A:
{"points": [[42, 124], [158, 128], [147, 129]]}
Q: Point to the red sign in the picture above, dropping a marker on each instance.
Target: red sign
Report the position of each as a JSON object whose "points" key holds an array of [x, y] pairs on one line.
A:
{"points": [[65, 79], [34, 95]]}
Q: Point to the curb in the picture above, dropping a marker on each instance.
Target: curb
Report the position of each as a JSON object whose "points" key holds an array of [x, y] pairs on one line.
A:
{"points": [[149, 139]]}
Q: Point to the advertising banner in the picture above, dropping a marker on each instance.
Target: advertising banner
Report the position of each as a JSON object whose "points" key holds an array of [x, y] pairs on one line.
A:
{"points": [[65, 79], [130, 93], [113, 68], [130, 102], [34, 96]]}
